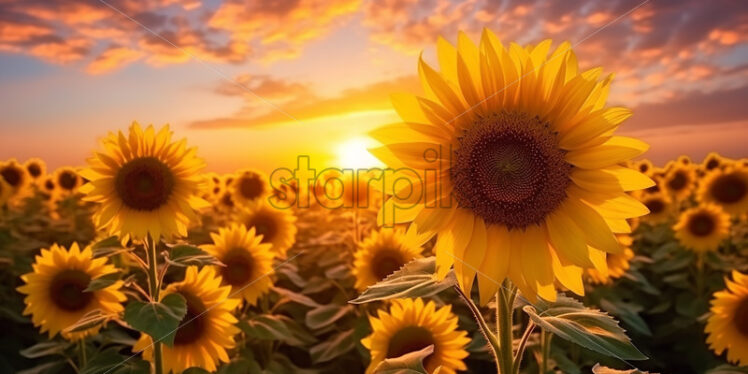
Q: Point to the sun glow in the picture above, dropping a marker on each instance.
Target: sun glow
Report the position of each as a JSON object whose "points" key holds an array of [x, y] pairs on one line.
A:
{"points": [[353, 153]]}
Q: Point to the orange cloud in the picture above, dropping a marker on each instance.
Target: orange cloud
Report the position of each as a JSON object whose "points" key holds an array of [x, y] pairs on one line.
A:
{"points": [[112, 58]]}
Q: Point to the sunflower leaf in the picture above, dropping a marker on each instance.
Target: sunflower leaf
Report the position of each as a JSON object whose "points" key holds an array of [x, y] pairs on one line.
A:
{"points": [[326, 315], [593, 329], [335, 346], [45, 349], [108, 247], [103, 281], [276, 327], [414, 279], [409, 363], [157, 319], [184, 255], [91, 319], [599, 369]]}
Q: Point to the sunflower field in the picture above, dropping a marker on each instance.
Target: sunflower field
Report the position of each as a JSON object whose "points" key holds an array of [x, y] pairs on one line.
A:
{"points": [[550, 245]]}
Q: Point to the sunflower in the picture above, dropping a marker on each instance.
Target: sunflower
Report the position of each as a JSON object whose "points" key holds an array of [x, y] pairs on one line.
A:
{"points": [[617, 264], [15, 175], [659, 205], [67, 179], [383, 252], [702, 228], [206, 331], [531, 178], [214, 187], [728, 188], [684, 160], [644, 166], [48, 187], [713, 161], [679, 181], [248, 262], [249, 186], [727, 326], [55, 290], [36, 168], [145, 183], [277, 226], [411, 326]]}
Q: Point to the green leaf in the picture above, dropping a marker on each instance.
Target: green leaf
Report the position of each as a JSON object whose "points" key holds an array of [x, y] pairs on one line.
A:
{"points": [[110, 361], [276, 327], [409, 363], [103, 281], [326, 315], [590, 328], [241, 365], [628, 313], [158, 320], [183, 255], [599, 369], [296, 297], [91, 319], [108, 247], [728, 369], [45, 349], [195, 370], [415, 279], [334, 346]]}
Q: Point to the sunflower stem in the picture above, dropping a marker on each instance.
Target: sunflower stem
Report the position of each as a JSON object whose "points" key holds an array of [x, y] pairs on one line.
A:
{"points": [[521, 348], [153, 287], [82, 352], [493, 343], [504, 314], [545, 350]]}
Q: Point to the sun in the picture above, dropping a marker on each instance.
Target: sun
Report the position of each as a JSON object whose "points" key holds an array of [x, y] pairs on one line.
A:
{"points": [[353, 154]]}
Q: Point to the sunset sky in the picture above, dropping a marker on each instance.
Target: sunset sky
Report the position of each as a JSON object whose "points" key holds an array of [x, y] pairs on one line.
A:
{"points": [[255, 83]]}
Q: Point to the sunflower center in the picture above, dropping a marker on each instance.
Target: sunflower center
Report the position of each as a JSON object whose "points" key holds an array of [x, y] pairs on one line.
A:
{"points": [[711, 164], [67, 180], [250, 187], [728, 189], [239, 265], [701, 224], [643, 168], [678, 181], [35, 170], [66, 290], [741, 317], [193, 325], [386, 262], [410, 339], [49, 185], [144, 183], [655, 206], [264, 225], [11, 175], [510, 170], [226, 200]]}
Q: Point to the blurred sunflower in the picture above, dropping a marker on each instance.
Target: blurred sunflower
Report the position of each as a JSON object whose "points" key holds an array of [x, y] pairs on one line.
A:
{"points": [[225, 201], [382, 253], [617, 263], [357, 192], [702, 228], [534, 169], [145, 184], [15, 175], [248, 262], [713, 161], [67, 179], [727, 188], [48, 187], [411, 326], [679, 181], [206, 331], [277, 226], [35, 167], [249, 186], [5, 192], [213, 187], [55, 290], [727, 326], [644, 166], [684, 160], [327, 186]]}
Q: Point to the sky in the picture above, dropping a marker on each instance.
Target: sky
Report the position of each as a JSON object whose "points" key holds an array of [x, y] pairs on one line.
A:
{"points": [[256, 83]]}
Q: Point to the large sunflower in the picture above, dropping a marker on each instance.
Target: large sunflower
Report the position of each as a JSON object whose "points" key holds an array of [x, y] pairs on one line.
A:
{"points": [[15, 175], [248, 262], [35, 167], [679, 181], [67, 179], [727, 326], [727, 188], [55, 290], [529, 175], [144, 183], [383, 252], [702, 228], [617, 264], [249, 186], [277, 226], [206, 331], [411, 326]]}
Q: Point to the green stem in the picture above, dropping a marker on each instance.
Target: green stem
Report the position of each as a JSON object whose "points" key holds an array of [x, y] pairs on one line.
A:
{"points": [[153, 288], [545, 350], [504, 315], [82, 352], [521, 348], [493, 343]]}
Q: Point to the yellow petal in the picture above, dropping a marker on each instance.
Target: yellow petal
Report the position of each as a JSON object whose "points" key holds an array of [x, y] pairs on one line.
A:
{"points": [[616, 150]]}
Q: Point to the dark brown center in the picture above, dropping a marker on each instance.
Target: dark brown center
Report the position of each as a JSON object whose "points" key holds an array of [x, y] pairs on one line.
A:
{"points": [[643, 168], [67, 180], [49, 185], [410, 339], [711, 164], [226, 200], [728, 188], [66, 290], [144, 183], [741, 317], [678, 181], [239, 267], [12, 175], [386, 262], [510, 170], [701, 224], [34, 170], [655, 206], [250, 186], [264, 225], [193, 325]]}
